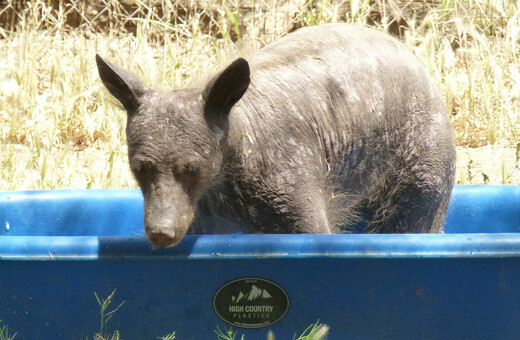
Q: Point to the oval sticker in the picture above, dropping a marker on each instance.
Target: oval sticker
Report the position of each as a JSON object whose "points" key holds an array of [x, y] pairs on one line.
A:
{"points": [[251, 303]]}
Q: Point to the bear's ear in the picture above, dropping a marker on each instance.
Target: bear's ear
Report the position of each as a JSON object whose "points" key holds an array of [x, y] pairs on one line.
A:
{"points": [[123, 85], [223, 91]]}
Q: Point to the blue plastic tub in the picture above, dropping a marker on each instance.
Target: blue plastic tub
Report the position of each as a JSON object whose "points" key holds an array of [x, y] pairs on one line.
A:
{"points": [[58, 248]]}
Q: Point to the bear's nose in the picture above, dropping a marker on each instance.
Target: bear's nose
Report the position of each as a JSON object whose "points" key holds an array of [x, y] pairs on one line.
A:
{"points": [[162, 237]]}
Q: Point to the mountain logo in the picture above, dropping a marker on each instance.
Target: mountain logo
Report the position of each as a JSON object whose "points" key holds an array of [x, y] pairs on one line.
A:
{"points": [[251, 302], [254, 294]]}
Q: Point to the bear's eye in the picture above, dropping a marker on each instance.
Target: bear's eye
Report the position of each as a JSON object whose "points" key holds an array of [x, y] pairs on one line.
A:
{"points": [[189, 176], [142, 168], [191, 170], [188, 170]]}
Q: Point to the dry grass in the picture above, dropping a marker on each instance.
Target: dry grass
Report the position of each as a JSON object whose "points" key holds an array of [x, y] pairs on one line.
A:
{"points": [[60, 129]]}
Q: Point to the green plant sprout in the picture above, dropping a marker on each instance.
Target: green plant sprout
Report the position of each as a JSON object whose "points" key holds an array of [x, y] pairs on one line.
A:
{"points": [[4, 333], [316, 331], [105, 317], [227, 335], [167, 337]]}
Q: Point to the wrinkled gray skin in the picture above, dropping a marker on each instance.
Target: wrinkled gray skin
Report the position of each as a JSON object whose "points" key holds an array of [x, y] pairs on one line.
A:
{"points": [[330, 126]]}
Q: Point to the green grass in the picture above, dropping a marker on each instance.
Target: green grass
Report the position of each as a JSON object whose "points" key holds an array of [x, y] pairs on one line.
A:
{"points": [[105, 316], [4, 333], [316, 331], [59, 128]]}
